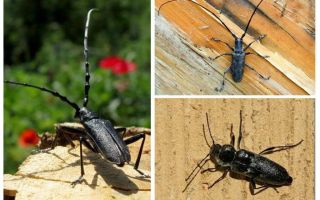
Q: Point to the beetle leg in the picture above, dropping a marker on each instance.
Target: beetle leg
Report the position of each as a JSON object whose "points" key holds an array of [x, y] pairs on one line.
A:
{"points": [[218, 40], [224, 54], [132, 140], [80, 179], [219, 179], [257, 39], [210, 169], [278, 148], [251, 53], [261, 76], [253, 187], [61, 133], [224, 76]]}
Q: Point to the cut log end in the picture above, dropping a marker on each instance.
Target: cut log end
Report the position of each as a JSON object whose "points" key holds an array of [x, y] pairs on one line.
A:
{"points": [[49, 174]]}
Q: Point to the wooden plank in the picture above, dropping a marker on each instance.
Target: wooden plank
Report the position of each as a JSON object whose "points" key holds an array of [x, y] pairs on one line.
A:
{"points": [[289, 43], [180, 145]]}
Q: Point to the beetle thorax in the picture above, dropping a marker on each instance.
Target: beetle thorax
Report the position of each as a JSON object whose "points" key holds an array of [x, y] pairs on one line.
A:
{"points": [[238, 45], [222, 155], [85, 115]]}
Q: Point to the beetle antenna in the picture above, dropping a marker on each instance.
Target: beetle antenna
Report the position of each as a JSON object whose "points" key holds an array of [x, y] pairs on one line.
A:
{"points": [[245, 32], [204, 134], [199, 167], [209, 129], [85, 52], [206, 9], [54, 93]]}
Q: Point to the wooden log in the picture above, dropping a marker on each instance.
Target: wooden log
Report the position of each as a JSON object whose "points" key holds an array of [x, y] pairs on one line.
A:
{"points": [[183, 47], [180, 145], [48, 175]]}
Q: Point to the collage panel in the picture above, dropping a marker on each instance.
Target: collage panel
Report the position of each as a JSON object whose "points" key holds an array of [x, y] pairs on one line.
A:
{"points": [[238, 47], [196, 157], [77, 98], [159, 100]]}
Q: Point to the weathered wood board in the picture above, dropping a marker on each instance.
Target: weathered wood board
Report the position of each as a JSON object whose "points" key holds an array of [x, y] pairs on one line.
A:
{"points": [[48, 175], [183, 47], [180, 145]]}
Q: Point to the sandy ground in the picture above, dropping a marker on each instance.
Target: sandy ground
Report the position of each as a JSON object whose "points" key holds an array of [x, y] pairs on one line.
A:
{"points": [[266, 122]]}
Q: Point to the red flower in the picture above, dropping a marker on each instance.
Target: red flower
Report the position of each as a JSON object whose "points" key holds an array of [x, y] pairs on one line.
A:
{"points": [[117, 65], [28, 138]]}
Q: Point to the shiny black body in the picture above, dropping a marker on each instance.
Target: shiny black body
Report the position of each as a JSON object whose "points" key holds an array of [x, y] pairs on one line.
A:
{"points": [[260, 168], [104, 137], [100, 135], [238, 62], [238, 53], [254, 167]]}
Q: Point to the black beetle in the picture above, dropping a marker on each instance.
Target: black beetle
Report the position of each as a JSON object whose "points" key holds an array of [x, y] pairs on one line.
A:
{"points": [[100, 135], [238, 52], [255, 167]]}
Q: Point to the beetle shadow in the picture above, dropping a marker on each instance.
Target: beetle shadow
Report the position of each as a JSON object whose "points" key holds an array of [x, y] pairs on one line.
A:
{"points": [[111, 175]]}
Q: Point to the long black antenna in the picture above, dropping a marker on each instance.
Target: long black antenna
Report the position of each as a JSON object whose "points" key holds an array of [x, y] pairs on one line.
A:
{"points": [[199, 167], [85, 52], [54, 93], [209, 129], [233, 35], [245, 32]]}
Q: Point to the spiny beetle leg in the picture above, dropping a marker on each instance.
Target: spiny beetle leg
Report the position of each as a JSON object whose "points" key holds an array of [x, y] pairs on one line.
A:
{"points": [[80, 179], [132, 140], [261, 76], [224, 77], [270, 150]]}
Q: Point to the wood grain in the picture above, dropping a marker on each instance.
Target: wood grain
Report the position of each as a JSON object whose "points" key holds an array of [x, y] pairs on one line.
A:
{"points": [[266, 122], [48, 175], [183, 47]]}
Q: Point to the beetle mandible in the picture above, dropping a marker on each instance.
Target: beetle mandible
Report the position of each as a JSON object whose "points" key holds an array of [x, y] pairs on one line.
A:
{"points": [[255, 167], [100, 135], [238, 53]]}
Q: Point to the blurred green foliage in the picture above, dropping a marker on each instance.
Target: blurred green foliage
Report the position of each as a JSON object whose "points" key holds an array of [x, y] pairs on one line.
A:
{"points": [[44, 46]]}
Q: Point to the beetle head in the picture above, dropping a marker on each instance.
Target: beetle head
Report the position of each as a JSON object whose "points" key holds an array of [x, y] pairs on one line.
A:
{"points": [[222, 155]]}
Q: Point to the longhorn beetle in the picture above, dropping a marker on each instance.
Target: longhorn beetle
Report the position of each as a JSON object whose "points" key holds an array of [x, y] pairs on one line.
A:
{"points": [[100, 135], [238, 53], [255, 167]]}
